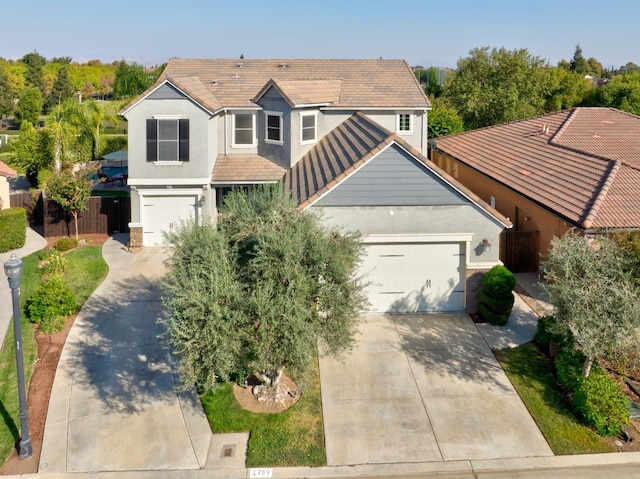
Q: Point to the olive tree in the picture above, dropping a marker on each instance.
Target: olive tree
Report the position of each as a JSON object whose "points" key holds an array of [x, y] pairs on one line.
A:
{"points": [[595, 297], [260, 290]]}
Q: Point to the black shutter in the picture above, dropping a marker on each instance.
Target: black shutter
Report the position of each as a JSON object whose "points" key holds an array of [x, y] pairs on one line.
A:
{"points": [[152, 140], [183, 148]]}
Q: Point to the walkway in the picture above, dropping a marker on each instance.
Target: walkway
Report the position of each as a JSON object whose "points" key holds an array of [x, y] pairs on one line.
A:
{"points": [[34, 242]]}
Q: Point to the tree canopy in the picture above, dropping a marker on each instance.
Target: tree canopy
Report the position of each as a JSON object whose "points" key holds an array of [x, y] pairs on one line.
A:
{"points": [[71, 189], [258, 292], [493, 86]]}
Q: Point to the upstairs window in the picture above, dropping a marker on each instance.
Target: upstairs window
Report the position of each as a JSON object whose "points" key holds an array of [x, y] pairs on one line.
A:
{"points": [[243, 129], [168, 140], [308, 127], [273, 127], [405, 125]]}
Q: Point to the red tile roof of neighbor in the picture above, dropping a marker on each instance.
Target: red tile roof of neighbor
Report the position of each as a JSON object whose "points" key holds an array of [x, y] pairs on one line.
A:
{"points": [[234, 83], [6, 170], [582, 164]]}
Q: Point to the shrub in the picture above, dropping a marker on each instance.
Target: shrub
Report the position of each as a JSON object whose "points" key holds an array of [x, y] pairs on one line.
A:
{"points": [[568, 364], [13, 228], [496, 296], [544, 336], [65, 244], [51, 303], [601, 402], [52, 263], [114, 143]]}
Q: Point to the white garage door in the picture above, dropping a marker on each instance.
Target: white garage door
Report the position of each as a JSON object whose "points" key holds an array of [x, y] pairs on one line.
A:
{"points": [[162, 213], [415, 277]]}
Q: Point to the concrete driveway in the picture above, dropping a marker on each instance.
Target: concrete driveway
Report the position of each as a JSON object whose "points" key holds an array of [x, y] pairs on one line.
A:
{"points": [[422, 388]]}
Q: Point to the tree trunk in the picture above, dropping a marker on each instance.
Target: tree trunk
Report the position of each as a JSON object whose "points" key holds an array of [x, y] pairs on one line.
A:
{"points": [[586, 367], [75, 221]]}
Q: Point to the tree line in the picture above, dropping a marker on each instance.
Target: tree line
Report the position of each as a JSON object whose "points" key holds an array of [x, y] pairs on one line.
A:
{"points": [[33, 85], [495, 85]]}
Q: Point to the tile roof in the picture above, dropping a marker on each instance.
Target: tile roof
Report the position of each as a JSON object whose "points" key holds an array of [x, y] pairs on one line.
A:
{"points": [[583, 164], [238, 169], [6, 170], [349, 146], [306, 92], [233, 83]]}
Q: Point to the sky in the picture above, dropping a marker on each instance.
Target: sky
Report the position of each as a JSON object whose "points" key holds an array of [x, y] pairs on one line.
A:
{"points": [[423, 32]]}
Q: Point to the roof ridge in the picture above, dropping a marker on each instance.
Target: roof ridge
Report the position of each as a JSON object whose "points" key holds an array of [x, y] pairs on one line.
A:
{"points": [[565, 125], [602, 193]]}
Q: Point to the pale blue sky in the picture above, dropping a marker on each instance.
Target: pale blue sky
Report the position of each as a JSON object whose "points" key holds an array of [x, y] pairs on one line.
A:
{"points": [[421, 31]]}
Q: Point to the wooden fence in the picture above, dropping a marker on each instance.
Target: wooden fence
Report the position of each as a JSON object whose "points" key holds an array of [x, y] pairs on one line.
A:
{"points": [[519, 251], [104, 215]]}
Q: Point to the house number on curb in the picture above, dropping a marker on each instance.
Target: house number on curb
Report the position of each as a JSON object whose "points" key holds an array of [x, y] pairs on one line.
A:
{"points": [[261, 472]]}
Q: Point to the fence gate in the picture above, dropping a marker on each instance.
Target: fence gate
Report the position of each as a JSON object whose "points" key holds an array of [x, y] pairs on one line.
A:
{"points": [[104, 215], [519, 251]]}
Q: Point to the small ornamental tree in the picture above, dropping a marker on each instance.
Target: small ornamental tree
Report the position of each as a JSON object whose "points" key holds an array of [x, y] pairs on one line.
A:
{"points": [[596, 298], [71, 189], [256, 294]]}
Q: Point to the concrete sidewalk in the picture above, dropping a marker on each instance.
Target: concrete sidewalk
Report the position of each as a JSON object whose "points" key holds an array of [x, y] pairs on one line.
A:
{"points": [[114, 406], [34, 242]]}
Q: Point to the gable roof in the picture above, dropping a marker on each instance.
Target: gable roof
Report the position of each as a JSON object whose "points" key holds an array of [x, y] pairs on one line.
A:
{"points": [[346, 149], [582, 164], [6, 170], [232, 83]]}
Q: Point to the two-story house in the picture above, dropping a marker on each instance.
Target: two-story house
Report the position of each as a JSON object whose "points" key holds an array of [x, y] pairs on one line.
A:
{"points": [[348, 137]]}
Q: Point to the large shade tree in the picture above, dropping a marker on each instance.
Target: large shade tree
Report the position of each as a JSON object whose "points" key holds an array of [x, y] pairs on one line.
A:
{"points": [[493, 86], [257, 293], [591, 285]]}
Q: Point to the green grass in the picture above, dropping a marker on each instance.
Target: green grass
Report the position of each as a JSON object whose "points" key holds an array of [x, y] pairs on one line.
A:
{"points": [[292, 438], [85, 271], [531, 374]]}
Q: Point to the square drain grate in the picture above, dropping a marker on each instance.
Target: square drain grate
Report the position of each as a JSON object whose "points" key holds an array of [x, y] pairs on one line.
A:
{"points": [[228, 451]]}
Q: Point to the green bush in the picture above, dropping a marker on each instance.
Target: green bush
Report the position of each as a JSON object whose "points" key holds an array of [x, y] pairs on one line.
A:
{"points": [[543, 336], [50, 304], [114, 143], [569, 364], [65, 244], [601, 402], [13, 229], [52, 262], [496, 299]]}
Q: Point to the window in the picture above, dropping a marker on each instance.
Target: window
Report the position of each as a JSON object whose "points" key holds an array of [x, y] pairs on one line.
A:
{"points": [[167, 139], [273, 127], [404, 123], [308, 127], [243, 127]]}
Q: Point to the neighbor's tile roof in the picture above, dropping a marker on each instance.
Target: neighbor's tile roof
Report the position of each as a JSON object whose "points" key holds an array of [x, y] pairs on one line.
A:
{"points": [[239, 169], [233, 83], [345, 149], [583, 164], [6, 170]]}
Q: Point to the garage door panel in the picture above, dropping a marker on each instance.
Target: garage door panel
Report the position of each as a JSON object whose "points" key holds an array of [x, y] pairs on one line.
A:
{"points": [[414, 277], [163, 213]]}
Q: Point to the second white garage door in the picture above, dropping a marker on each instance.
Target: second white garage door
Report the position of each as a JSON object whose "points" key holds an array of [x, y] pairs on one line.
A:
{"points": [[415, 277], [162, 213]]}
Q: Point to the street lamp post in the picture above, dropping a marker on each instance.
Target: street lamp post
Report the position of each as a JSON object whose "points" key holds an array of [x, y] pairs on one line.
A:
{"points": [[13, 269]]}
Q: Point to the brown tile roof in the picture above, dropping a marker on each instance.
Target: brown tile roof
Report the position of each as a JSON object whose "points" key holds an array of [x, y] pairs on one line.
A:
{"points": [[583, 164], [349, 146], [306, 92], [238, 169], [6, 170], [234, 83]]}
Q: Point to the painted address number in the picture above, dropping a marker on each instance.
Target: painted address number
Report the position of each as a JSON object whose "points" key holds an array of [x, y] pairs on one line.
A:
{"points": [[261, 472]]}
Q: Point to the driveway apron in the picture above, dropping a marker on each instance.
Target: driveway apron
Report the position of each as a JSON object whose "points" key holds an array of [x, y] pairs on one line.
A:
{"points": [[114, 404], [422, 388]]}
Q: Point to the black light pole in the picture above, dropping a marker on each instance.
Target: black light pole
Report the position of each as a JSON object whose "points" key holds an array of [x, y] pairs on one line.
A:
{"points": [[13, 269]]}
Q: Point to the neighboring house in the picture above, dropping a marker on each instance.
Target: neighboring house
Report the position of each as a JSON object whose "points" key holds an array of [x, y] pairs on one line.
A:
{"points": [[346, 137], [6, 172], [578, 168]]}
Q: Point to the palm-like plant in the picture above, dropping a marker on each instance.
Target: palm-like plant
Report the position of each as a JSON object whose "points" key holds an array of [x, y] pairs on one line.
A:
{"points": [[62, 129]]}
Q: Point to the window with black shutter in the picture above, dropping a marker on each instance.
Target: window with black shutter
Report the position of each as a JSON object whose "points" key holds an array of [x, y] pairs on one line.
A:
{"points": [[167, 140]]}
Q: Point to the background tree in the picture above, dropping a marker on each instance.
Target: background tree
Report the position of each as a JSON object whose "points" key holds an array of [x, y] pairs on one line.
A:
{"points": [[621, 92], [130, 80], [595, 298], [29, 106], [568, 89], [88, 118], [71, 188], [494, 86], [28, 153], [579, 63], [34, 74], [6, 94], [61, 90], [443, 121], [259, 292], [61, 128]]}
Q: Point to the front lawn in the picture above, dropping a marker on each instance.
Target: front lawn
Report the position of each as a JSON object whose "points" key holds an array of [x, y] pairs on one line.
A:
{"points": [[85, 271], [294, 437], [532, 376]]}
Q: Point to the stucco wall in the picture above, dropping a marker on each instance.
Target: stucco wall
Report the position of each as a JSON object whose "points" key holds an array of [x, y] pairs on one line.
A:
{"points": [[525, 214], [5, 199]]}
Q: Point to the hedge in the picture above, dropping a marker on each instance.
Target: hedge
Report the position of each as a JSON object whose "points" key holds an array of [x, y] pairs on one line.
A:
{"points": [[13, 229]]}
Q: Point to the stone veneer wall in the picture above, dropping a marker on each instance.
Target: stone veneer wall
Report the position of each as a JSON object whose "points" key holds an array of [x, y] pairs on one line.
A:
{"points": [[474, 283], [135, 239]]}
